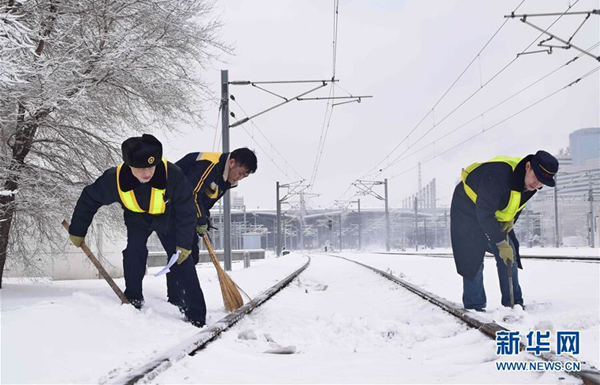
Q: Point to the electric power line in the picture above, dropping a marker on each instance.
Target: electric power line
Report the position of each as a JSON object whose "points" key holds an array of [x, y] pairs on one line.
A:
{"points": [[336, 5], [474, 93], [504, 120], [217, 131], [271, 144], [323, 138], [400, 158], [329, 108]]}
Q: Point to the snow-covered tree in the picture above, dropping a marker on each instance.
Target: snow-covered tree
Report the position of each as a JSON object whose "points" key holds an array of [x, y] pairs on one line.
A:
{"points": [[77, 77]]}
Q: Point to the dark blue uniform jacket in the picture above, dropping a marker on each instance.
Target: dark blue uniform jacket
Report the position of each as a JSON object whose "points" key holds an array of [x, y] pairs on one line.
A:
{"points": [[474, 226], [179, 216], [207, 181]]}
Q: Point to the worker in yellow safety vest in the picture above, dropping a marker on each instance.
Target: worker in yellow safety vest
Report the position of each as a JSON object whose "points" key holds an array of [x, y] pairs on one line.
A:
{"points": [[155, 196], [485, 206]]}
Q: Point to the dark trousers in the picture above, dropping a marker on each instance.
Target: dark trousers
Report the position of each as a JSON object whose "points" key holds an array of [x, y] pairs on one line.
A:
{"points": [[474, 292], [182, 281]]}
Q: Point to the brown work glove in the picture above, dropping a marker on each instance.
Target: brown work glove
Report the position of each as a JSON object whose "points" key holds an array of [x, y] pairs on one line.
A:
{"points": [[75, 240], [201, 229], [183, 255], [507, 226], [506, 252]]}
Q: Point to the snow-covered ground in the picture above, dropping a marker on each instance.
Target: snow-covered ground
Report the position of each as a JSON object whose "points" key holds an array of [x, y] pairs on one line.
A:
{"points": [[558, 295], [77, 331], [347, 325]]}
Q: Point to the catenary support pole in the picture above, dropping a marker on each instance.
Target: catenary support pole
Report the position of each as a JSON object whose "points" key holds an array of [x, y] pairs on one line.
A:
{"points": [[556, 229], [278, 230], [359, 228], [416, 225], [226, 197], [340, 231], [592, 230], [387, 218]]}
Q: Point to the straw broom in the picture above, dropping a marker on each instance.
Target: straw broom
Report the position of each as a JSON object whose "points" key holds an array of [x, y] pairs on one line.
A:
{"points": [[231, 295]]}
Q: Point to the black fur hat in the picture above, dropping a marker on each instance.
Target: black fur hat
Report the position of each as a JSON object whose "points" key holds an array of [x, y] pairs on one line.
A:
{"points": [[142, 152]]}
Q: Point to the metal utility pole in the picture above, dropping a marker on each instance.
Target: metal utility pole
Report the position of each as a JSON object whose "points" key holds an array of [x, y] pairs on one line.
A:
{"points": [[434, 205], [387, 218], [278, 230], [301, 220], [363, 185], [556, 232], [292, 187], [226, 197], [340, 231], [285, 231], [425, 230], [419, 184], [416, 224], [359, 227], [592, 230], [226, 126]]}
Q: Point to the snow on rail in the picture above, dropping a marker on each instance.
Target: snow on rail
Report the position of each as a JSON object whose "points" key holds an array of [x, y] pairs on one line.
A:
{"points": [[198, 341]]}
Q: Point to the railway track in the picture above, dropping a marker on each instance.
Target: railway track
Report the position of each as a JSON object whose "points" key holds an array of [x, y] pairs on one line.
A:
{"points": [[159, 365], [588, 373], [574, 258]]}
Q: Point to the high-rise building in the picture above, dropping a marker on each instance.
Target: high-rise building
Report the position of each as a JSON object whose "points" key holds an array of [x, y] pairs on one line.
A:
{"points": [[577, 181], [585, 145]]}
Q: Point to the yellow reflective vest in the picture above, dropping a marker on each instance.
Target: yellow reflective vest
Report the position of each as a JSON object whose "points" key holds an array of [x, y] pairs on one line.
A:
{"points": [[514, 203], [157, 197]]}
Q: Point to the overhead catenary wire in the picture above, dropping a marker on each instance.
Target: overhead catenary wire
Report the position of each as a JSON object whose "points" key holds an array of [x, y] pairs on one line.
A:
{"points": [[330, 104], [217, 131], [476, 92], [502, 121], [322, 139], [476, 57], [268, 141], [336, 5], [495, 125], [268, 156], [400, 157]]}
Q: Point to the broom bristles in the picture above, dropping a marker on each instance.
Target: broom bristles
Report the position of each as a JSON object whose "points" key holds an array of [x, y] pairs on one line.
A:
{"points": [[231, 295]]}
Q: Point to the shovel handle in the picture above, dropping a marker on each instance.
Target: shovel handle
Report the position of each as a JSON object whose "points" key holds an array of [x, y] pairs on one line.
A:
{"points": [[510, 278], [100, 268]]}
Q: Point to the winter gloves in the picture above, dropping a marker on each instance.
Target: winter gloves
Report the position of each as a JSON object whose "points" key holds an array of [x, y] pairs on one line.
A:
{"points": [[75, 240], [201, 229], [506, 252], [183, 255], [507, 226]]}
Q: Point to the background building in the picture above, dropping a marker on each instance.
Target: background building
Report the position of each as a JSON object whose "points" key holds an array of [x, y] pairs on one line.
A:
{"points": [[576, 198]]}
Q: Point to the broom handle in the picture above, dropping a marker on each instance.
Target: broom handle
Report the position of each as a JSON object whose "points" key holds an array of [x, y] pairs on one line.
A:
{"points": [[100, 268], [211, 251]]}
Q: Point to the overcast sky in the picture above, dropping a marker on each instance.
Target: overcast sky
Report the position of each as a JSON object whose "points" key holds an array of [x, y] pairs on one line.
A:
{"points": [[406, 54]]}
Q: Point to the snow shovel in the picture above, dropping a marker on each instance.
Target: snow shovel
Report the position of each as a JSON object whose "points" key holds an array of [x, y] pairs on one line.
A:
{"points": [[100, 268], [510, 280]]}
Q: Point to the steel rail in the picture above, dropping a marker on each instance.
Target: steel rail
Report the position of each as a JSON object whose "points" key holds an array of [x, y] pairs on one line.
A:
{"points": [[589, 374], [165, 360], [574, 258]]}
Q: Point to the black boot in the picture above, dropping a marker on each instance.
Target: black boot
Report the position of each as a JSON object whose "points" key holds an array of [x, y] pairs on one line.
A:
{"points": [[137, 303]]}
